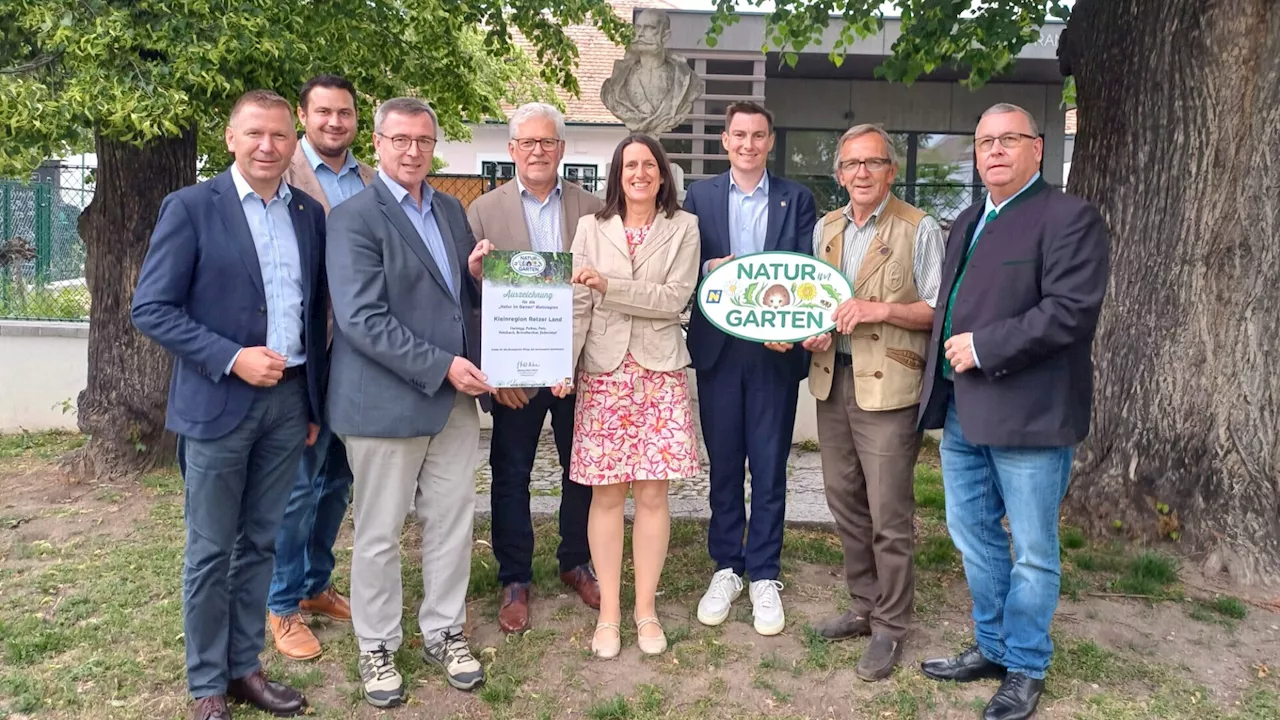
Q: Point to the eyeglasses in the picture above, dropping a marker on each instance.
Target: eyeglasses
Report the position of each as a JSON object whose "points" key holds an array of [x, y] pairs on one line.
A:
{"points": [[401, 142], [1008, 141], [548, 144], [873, 164]]}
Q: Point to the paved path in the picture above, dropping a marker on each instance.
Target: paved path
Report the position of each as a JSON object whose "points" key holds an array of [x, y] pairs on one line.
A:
{"points": [[806, 503]]}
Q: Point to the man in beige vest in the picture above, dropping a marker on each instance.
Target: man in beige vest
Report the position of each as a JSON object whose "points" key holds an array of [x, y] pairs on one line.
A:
{"points": [[867, 384], [535, 211], [324, 168]]}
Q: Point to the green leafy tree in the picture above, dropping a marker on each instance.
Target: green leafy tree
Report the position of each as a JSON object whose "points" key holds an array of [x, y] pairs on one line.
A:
{"points": [[1179, 146], [147, 85]]}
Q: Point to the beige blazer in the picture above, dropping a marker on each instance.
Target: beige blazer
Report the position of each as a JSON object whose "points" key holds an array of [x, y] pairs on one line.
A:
{"points": [[498, 215], [302, 176], [640, 312]]}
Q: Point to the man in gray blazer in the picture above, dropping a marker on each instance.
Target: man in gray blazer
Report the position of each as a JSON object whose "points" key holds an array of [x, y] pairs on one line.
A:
{"points": [[402, 395]]}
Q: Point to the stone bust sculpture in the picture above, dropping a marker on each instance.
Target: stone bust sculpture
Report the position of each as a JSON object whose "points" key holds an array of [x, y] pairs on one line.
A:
{"points": [[651, 90]]}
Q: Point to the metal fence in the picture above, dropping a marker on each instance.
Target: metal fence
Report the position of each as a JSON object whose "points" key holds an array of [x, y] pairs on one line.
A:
{"points": [[41, 254]]}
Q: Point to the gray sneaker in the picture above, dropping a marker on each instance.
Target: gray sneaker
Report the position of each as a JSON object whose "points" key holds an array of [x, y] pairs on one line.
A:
{"points": [[453, 655], [381, 682]]}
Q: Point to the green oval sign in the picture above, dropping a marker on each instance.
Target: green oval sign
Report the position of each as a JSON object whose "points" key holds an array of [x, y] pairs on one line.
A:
{"points": [[774, 296]]}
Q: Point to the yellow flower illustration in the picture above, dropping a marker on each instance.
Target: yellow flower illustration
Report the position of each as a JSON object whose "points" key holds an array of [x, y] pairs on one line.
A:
{"points": [[807, 291], [733, 288]]}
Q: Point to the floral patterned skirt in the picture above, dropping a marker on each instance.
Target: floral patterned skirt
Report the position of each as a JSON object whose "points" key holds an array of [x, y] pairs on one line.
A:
{"points": [[633, 424]]}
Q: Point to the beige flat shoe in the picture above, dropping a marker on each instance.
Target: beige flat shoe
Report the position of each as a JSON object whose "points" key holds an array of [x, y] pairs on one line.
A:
{"points": [[606, 649], [650, 645]]}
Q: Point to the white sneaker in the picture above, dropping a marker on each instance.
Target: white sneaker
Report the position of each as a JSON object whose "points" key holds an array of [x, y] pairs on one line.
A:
{"points": [[766, 607], [714, 606], [382, 684]]}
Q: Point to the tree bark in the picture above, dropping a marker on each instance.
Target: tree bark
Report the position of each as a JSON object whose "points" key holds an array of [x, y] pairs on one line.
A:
{"points": [[1179, 145], [122, 408]]}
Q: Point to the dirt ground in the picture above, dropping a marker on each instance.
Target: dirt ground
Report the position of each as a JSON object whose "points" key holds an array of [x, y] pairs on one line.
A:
{"points": [[91, 627]]}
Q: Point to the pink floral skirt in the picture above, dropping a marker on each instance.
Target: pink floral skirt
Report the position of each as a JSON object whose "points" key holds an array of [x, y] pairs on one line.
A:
{"points": [[633, 424]]}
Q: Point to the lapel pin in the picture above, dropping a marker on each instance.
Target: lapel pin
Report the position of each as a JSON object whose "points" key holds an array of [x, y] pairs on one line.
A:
{"points": [[783, 203], [299, 206]]}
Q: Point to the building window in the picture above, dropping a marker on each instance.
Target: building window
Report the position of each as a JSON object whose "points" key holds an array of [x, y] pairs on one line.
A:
{"points": [[584, 175], [498, 170]]}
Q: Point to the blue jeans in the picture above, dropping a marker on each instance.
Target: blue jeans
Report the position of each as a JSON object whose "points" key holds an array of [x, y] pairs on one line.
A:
{"points": [[317, 505], [236, 490], [1013, 600]]}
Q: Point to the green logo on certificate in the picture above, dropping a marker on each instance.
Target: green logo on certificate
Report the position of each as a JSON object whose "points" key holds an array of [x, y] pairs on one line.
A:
{"points": [[773, 296]]}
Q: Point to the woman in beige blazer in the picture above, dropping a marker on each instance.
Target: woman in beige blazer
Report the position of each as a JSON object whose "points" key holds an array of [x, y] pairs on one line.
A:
{"points": [[636, 267]]}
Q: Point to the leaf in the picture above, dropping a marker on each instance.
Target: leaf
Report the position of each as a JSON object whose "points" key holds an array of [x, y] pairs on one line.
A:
{"points": [[749, 294], [830, 290]]}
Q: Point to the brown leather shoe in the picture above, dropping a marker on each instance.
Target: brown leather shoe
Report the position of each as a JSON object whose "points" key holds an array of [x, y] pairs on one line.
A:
{"points": [[212, 707], [293, 638], [329, 604], [583, 580], [513, 616], [270, 697]]}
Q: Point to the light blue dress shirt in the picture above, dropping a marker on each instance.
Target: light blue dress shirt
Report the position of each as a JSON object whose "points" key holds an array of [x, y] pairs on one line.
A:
{"points": [[982, 221], [271, 226], [542, 218], [424, 221], [337, 186], [748, 217]]}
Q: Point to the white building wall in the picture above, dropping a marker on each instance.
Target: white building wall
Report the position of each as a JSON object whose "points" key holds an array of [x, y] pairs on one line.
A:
{"points": [[584, 145]]}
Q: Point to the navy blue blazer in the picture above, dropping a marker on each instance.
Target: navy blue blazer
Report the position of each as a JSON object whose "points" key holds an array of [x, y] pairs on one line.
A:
{"points": [[792, 215], [200, 297]]}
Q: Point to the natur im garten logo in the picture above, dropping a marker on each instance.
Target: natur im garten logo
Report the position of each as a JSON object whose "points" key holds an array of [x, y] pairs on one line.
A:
{"points": [[528, 264], [773, 296]]}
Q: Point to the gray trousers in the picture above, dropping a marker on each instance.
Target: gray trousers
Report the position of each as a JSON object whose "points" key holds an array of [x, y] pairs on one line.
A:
{"points": [[436, 476], [236, 490]]}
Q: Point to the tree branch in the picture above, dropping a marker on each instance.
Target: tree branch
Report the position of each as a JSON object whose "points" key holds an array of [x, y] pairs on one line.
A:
{"points": [[33, 65]]}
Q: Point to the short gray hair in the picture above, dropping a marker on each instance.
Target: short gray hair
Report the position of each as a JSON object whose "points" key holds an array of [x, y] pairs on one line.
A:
{"points": [[532, 110], [858, 131], [404, 106], [1002, 108]]}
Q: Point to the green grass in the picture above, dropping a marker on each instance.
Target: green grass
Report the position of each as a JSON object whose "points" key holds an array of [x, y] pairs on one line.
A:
{"points": [[928, 489], [43, 303], [44, 444], [936, 552], [1222, 610], [1149, 573]]}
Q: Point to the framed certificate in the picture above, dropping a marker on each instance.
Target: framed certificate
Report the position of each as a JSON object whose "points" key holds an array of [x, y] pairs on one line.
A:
{"points": [[526, 335]]}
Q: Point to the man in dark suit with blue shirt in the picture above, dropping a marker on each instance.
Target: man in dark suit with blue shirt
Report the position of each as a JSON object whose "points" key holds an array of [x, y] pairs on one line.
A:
{"points": [[747, 392], [1010, 382], [233, 285]]}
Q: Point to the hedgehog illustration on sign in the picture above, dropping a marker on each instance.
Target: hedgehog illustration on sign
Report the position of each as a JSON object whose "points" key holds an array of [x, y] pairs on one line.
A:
{"points": [[776, 297]]}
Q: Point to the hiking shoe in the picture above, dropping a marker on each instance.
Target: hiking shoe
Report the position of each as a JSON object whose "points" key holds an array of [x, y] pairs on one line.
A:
{"points": [[453, 655], [381, 682]]}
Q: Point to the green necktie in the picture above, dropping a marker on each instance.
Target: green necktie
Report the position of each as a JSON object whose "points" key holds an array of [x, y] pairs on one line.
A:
{"points": [[946, 319]]}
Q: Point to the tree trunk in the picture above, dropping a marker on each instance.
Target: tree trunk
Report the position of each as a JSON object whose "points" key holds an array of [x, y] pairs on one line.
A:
{"points": [[122, 408], [1179, 145]]}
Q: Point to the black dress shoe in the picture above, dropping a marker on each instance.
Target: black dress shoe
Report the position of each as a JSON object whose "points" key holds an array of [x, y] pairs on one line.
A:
{"points": [[270, 697], [968, 666], [1016, 699]]}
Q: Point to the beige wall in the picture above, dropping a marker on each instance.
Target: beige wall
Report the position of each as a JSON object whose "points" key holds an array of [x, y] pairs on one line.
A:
{"points": [[42, 365]]}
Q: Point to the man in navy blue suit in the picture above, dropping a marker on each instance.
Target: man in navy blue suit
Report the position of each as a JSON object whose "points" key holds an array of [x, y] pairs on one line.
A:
{"points": [[747, 392], [233, 286]]}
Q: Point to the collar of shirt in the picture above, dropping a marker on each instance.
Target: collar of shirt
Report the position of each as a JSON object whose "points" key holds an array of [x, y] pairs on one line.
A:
{"points": [[243, 189], [400, 192], [848, 212], [525, 192], [762, 185], [992, 206], [316, 161]]}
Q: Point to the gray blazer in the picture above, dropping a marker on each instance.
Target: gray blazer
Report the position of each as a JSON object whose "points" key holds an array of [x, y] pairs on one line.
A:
{"points": [[397, 326]]}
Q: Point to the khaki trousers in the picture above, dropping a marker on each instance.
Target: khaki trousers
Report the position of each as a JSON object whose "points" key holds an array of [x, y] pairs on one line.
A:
{"points": [[435, 475], [868, 469]]}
